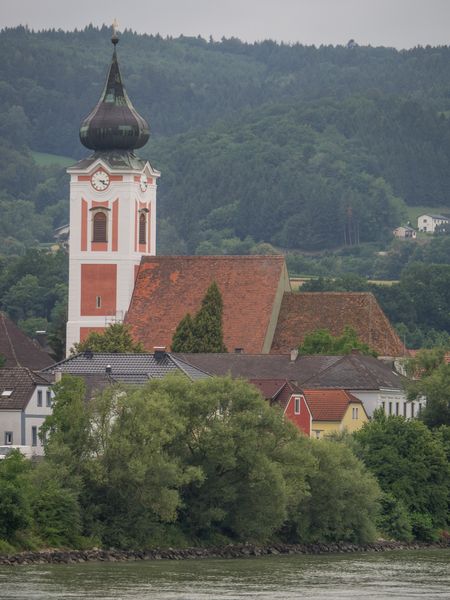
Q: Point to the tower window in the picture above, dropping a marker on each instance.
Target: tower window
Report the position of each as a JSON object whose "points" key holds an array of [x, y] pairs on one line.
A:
{"points": [[99, 227], [142, 228], [98, 301]]}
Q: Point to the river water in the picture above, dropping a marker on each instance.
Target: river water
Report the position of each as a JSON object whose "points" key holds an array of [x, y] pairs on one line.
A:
{"points": [[391, 575]]}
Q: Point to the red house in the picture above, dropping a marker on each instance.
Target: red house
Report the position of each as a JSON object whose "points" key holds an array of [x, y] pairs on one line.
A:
{"points": [[291, 400]]}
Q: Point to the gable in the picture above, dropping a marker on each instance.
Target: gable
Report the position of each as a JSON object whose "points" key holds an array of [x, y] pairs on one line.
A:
{"points": [[303, 313], [168, 287]]}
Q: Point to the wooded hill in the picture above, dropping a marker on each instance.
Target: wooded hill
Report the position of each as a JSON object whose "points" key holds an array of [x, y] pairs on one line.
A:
{"points": [[298, 146]]}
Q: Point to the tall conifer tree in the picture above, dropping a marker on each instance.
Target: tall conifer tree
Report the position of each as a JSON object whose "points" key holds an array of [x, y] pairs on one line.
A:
{"points": [[204, 332]]}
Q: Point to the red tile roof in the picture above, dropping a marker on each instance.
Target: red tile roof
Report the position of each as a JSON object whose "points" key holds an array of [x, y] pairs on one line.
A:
{"points": [[329, 405], [276, 390], [168, 287], [18, 349], [304, 312]]}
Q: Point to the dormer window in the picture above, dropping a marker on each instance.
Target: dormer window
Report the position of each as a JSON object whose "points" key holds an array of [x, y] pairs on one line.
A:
{"points": [[99, 226]]}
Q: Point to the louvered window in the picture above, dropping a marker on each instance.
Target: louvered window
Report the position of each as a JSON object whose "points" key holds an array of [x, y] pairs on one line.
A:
{"points": [[99, 229], [142, 228]]}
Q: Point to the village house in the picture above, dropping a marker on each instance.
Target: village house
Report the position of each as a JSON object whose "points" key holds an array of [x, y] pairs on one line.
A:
{"points": [[25, 402], [334, 411], [404, 232], [291, 400], [428, 222], [373, 382]]}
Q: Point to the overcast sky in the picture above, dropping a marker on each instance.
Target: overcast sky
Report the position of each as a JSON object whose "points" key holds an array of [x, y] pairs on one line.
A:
{"points": [[399, 23]]}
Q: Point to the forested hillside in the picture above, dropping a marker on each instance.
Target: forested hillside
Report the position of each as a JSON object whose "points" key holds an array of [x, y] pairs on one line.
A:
{"points": [[301, 147], [316, 151]]}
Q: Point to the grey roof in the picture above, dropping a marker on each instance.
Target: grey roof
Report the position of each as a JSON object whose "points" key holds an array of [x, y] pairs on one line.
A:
{"points": [[18, 349], [114, 160], [435, 216], [353, 371], [126, 368], [357, 372], [21, 382]]}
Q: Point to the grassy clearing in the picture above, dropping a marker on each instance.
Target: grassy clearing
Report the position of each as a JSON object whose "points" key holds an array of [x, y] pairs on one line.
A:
{"points": [[43, 159]]}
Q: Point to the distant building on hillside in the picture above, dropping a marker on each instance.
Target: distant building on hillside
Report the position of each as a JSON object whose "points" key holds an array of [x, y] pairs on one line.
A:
{"points": [[405, 232], [428, 223]]}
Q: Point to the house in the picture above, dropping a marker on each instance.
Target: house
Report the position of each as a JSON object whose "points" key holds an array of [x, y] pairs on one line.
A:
{"points": [[370, 380], [25, 402], [334, 411], [428, 222], [18, 349], [101, 369], [260, 312], [289, 398], [404, 232]]}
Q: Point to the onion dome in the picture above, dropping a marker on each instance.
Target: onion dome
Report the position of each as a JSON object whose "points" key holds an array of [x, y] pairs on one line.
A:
{"points": [[114, 124]]}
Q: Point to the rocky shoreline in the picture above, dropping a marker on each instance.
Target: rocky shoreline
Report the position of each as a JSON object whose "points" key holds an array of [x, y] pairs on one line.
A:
{"points": [[230, 551]]}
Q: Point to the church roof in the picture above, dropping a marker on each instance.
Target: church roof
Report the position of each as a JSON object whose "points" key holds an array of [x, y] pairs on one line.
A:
{"points": [[168, 287], [303, 313], [114, 124], [18, 349]]}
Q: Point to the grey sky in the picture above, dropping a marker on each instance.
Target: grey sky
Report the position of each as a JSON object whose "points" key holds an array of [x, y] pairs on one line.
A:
{"points": [[400, 23]]}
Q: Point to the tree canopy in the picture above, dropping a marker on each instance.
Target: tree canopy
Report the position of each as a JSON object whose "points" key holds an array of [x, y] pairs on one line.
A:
{"points": [[322, 341], [115, 338]]}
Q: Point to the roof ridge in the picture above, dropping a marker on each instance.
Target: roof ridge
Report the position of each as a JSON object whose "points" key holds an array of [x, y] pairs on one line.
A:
{"points": [[177, 362], [336, 362]]}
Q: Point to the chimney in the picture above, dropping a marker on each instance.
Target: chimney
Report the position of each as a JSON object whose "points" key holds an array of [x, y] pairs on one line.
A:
{"points": [[294, 354], [58, 375], [239, 350], [108, 370], [41, 338], [159, 352]]}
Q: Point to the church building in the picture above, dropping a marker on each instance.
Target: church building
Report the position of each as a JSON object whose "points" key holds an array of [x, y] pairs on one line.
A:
{"points": [[115, 275]]}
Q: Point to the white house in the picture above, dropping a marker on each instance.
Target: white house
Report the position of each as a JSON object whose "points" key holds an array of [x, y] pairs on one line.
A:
{"points": [[25, 401], [428, 223]]}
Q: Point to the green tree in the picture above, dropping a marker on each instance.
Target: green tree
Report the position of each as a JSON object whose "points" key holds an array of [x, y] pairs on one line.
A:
{"points": [[115, 338], [204, 332], [322, 341], [410, 464], [338, 484], [183, 338], [15, 510], [435, 387]]}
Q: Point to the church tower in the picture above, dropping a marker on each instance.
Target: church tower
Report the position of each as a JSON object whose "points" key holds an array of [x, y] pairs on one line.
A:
{"points": [[112, 211]]}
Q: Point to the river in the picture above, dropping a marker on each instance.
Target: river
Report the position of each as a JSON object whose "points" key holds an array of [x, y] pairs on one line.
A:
{"points": [[390, 575]]}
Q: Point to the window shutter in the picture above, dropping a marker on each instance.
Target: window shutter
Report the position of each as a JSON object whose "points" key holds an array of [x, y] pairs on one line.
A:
{"points": [[99, 227]]}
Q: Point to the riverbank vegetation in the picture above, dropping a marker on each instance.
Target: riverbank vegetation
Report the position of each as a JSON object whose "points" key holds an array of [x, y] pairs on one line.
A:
{"points": [[175, 463]]}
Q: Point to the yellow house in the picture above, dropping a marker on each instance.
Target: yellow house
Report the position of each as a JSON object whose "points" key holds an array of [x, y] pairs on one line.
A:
{"points": [[334, 410]]}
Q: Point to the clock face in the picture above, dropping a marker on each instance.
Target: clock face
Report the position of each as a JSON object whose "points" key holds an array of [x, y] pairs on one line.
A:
{"points": [[143, 182], [100, 180]]}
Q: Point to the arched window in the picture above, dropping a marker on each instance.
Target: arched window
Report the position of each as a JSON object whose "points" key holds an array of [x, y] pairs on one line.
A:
{"points": [[142, 228], [99, 227]]}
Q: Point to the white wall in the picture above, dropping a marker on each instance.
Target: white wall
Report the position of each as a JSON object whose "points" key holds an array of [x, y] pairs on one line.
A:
{"points": [[394, 402], [10, 420]]}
